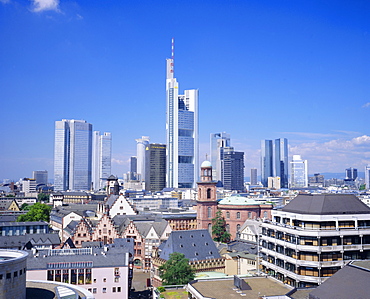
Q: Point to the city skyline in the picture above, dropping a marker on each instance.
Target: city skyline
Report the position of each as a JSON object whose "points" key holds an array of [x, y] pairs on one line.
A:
{"points": [[264, 70]]}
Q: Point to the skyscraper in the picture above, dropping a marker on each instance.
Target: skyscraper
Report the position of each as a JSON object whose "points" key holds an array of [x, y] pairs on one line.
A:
{"points": [[253, 176], [218, 142], [281, 161], [181, 131], [72, 155], [267, 168], [155, 168], [140, 157], [133, 168], [41, 176], [101, 161], [299, 172], [367, 176], [233, 169], [351, 174]]}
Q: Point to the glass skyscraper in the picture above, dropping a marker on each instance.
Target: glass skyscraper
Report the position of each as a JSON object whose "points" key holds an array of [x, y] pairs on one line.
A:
{"points": [[299, 174], [181, 133], [218, 143], [281, 161], [101, 159], [72, 155], [267, 167]]}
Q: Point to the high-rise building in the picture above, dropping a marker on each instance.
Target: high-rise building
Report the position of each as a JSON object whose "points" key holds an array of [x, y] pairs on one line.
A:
{"points": [[254, 176], [140, 156], [155, 168], [41, 176], [182, 132], [351, 174], [101, 159], [281, 161], [299, 172], [218, 142], [233, 169], [133, 168], [72, 155], [267, 167], [367, 176]]}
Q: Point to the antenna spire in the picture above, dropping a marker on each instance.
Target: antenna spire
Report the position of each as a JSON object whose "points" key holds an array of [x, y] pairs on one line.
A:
{"points": [[173, 49]]}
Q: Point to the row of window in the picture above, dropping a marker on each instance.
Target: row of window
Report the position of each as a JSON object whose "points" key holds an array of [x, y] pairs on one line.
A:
{"points": [[15, 274], [104, 290]]}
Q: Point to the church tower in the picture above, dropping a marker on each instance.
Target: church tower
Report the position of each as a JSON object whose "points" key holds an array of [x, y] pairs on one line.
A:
{"points": [[207, 199]]}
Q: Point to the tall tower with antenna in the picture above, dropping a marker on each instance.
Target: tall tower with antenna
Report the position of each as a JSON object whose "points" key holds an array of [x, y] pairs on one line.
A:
{"points": [[181, 131]]}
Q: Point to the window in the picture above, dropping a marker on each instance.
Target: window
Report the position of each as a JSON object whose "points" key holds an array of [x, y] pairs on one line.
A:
{"points": [[209, 212], [114, 289], [116, 279], [104, 290], [265, 214], [15, 274], [228, 215], [208, 193], [238, 215], [249, 215], [94, 290], [238, 227], [104, 280], [118, 289]]}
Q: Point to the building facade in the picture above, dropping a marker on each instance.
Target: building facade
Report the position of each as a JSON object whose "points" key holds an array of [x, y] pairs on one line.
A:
{"points": [[299, 172], [72, 155], [155, 168], [281, 161], [101, 159], [314, 236], [267, 167], [141, 144], [254, 176], [41, 176], [181, 132], [233, 169], [218, 142]]}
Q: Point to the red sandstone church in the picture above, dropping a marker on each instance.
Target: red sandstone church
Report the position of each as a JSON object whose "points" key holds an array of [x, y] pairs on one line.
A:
{"points": [[235, 209]]}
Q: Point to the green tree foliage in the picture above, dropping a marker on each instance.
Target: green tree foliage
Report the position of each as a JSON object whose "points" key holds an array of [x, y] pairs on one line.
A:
{"points": [[43, 197], [176, 271], [362, 187], [25, 207], [37, 212], [219, 232]]}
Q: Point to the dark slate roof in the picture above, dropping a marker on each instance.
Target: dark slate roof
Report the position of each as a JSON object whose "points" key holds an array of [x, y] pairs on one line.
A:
{"points": [[349, 282], [71, 226], [35, 239], [326, 204], [194, 244], [111, 200], [240, 246]]}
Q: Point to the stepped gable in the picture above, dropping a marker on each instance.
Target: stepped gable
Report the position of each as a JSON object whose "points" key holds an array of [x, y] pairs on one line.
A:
{"points": [[326, 204], [194, 244]]}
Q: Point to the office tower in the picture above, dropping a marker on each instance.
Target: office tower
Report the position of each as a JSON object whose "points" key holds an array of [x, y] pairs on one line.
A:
{"points": [[72, 155], [218, 142], [267, 168], [299, 172], [140, 156], [28, 185], [181, 132], [101, 159], [254, 176], [133, 169], [155, 168], [281, 161], [233, 170], [41, 176], [351, 174], [367, 176], [317, 180]]}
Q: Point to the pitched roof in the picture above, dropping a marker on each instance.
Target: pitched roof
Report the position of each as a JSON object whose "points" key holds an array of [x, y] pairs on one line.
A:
{"points": [[348, 282], [194, 244], [326, 204]]}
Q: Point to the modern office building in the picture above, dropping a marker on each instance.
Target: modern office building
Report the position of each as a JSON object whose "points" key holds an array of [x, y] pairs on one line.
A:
{"points": [[254, 176], [233, 169], [367, 176], [317, 180], [313, 237], [101, 159], [299, 172], [281, 161], [141, 144], [72, 155], [218, 142], [351, 174], [181, 132], [41, 176], [155, 168], [133, 168], [267, 167]]}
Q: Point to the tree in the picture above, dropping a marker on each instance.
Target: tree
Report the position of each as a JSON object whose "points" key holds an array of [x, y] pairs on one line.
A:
{"points": [[176, 271], [42, 197], [25, 207], [37, 212], [219, 232]]}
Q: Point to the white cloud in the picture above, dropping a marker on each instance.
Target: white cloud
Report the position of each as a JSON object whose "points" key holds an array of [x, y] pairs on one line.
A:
{"points": [[42, 5], [119, 162], [367, 105]]}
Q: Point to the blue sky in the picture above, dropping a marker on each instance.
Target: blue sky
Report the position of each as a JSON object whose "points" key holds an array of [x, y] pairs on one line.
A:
{"points": [[264, 70]]}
